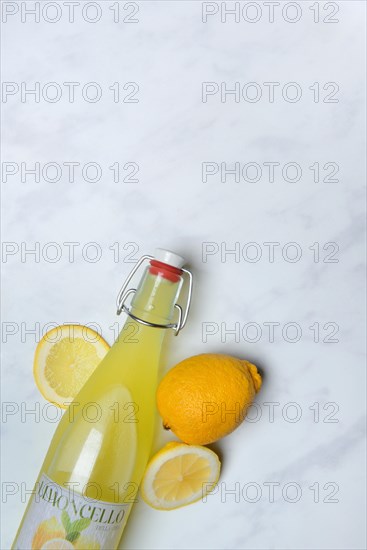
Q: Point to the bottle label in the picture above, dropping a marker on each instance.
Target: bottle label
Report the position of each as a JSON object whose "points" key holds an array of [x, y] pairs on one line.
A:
{"points": [[59, 517]]}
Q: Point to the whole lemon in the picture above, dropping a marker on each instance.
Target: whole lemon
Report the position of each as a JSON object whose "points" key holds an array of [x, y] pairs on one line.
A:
{"points": [[205, 397]]}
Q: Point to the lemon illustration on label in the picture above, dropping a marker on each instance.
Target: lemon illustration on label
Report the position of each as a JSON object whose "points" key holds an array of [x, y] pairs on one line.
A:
{"points": [[47, 530], [57, 544], [51, 534]]}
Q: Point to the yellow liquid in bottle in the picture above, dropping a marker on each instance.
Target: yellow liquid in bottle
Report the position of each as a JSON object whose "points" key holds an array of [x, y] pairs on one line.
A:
{"points": [[103, 442]]}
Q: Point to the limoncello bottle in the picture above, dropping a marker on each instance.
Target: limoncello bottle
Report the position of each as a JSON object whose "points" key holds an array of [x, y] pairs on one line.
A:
{"points": [[97, 457]]}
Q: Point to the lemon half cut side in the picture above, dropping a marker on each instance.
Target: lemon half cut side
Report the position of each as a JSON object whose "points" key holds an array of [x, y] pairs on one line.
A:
{"points": [[65, 358], [178, 475]]}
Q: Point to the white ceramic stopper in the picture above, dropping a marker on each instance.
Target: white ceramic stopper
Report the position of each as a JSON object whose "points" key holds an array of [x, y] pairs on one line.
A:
{"points": [[168, 257]]}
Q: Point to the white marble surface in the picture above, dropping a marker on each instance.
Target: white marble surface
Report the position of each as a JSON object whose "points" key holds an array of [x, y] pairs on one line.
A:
{"points": [[169, 133]]}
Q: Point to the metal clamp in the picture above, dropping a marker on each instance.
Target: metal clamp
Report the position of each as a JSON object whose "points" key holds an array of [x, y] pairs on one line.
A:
{"points": [[125, 292]]}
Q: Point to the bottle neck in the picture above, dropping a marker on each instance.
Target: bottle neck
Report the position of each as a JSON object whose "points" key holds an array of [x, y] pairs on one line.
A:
{"points": [[156, 296]]}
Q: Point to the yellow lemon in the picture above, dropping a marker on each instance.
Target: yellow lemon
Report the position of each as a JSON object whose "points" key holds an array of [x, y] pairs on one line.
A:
{"points": [[206, 397], [178, 475], [64, 359], [58, 544], [46, 530]]}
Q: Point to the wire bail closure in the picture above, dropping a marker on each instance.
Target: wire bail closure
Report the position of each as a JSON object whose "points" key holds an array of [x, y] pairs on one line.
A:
{"points": [[125, 293]]}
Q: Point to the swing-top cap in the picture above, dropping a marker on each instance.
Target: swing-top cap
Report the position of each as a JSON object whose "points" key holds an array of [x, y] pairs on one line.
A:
{"points": [[168, 257]]}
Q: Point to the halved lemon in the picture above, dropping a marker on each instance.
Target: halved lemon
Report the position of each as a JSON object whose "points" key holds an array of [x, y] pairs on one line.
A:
{"points": [[178, 475], [64, 359]]}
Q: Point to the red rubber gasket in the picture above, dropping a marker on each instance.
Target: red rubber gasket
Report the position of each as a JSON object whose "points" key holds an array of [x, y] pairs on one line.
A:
{"points": [[167, 271]]}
